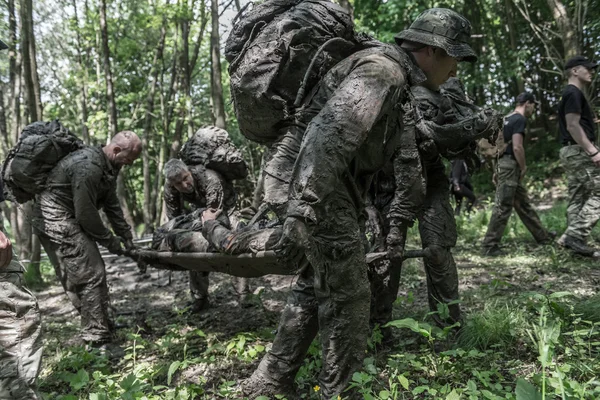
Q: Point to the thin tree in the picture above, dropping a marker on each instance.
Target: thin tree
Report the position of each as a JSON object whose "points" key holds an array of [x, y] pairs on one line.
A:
{"points": [[216, 87]]}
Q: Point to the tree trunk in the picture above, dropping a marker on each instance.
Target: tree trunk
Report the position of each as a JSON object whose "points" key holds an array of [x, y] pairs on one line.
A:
{"points": [[518, 84], [110, 95], [82, 80], [570, 39], [216, 87], [3, 125], [148, 187]]}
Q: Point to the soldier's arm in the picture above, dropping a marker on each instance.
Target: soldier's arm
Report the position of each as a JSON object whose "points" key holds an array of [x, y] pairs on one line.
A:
{"points": [[339, 129], [173, 202], [519, 150], [578, 134], [114, 213], [85, 183]]}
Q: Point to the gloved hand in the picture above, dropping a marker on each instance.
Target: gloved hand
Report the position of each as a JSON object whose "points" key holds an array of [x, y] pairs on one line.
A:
{"points": [[114, 245], [395, 241], [373, 224], [294, 240], [6, 252]]}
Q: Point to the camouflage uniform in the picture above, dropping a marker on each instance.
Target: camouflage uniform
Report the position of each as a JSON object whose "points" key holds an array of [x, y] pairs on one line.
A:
{"points": [[583, 177], [212, 190], [67, 220], [20, 337], [437, 226]]}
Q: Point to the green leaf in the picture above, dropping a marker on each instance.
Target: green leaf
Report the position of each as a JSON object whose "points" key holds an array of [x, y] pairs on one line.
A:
{"points": [[172, 369], [403, 382], [384, 395], [453, 395], [79, 380], [527, 391]]}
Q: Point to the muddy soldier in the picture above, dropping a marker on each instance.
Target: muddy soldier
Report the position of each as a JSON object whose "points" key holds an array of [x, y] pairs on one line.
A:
{"points": [[359, 118], [68, 222], [510, 192], [444, 110], [20, 323], [580, 157]]}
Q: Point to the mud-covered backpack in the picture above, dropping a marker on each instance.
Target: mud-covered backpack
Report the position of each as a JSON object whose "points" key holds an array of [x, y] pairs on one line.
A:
{"points": [[40, 147], [211, 147], [277, 52], [492, 151]]}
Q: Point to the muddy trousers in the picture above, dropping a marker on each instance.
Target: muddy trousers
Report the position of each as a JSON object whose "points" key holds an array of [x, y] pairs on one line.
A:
{"points": [[511, 194], [583, 179], [437, 229], [330, 297], [20, 338], [81, 271]]}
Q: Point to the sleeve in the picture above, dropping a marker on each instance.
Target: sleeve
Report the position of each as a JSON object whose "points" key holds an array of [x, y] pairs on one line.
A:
{"points": [[519, 126], [573, 103], [114, 213], [334, 135], [215, 190], [409, 176], [85, 183], [172, 202]]}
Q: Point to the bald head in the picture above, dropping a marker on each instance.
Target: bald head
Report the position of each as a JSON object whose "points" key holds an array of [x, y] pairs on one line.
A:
{"points": [[124, 148]]}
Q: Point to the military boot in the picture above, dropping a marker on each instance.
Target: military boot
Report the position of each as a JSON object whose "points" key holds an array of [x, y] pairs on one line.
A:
{"points": [[578, 246]]}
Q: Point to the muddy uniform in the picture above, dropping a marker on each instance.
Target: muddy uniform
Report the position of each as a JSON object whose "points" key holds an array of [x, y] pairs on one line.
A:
{"points": [[69, 225], [212, 190], [583, 176], [20, 332], [510, 193], [359, 123], [437, 226]]}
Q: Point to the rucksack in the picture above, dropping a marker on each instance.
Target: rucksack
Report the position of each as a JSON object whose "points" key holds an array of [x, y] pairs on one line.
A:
{"points": [[277, 52], [211, 147], [40, 147], [492, 151]]}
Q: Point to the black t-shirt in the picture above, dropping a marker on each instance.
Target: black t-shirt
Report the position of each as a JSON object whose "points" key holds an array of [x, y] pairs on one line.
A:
{"points": [[513, 124], [574, 102]]}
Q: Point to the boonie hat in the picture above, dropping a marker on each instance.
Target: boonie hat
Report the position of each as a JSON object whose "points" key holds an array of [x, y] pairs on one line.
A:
{"points": [[443, 28]]}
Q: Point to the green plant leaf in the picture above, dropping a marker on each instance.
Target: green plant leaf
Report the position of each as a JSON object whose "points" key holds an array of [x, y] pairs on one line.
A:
{"points": [[172, 369], [527, 391], [403, 382]]}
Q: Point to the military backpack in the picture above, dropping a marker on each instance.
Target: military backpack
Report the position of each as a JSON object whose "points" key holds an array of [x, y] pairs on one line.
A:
{"points": [[211, 147], [40, 147], [278, 51], [492, 150]]}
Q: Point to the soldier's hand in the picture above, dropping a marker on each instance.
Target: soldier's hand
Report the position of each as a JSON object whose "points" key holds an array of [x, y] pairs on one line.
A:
{"points": [[596, 160], [523, 172], [6, 252], [373, 224], [128, 243], [114, 245], [395, 243], [210, 214], [457, 188], [294, 240]]}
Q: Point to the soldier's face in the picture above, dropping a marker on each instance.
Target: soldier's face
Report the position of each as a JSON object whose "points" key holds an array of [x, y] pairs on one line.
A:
{"points": [[444, 67], [184, 183], [126, 156], [584, 74]]}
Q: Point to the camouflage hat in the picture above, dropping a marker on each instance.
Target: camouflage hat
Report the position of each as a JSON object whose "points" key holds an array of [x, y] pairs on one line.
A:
{"points": [[3, 46], [444, 28]]}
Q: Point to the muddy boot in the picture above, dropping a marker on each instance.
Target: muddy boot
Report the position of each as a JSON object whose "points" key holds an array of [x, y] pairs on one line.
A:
{"points": [[493, 251], [578, 246], [262, 384]]}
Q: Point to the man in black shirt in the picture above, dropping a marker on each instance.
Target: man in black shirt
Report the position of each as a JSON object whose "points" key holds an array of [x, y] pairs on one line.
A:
{"points": [[461, 186], [510, 192], [580, 157]]}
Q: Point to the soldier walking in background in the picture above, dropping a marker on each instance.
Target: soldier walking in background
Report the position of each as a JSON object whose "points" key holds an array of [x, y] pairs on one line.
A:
{"points": [[67, 220], [510, 192], [580, 157], [461, 186]]}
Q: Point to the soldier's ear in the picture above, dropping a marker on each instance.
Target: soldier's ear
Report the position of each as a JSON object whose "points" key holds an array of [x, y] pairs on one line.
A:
{"points": [[117, 149]]}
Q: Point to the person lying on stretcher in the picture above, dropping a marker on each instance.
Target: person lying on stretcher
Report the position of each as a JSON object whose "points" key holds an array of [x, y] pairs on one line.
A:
{"points": [[210, 230]]}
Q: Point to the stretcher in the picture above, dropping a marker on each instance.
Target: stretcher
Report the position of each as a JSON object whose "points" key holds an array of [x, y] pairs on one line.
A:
{"points": [[249, 265]]}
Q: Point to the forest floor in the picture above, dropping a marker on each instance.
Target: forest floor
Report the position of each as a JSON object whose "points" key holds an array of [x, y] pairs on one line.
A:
{"points": [[531, 331]]}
